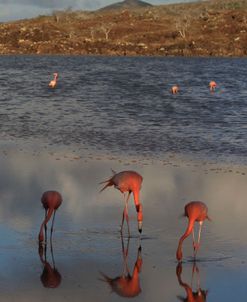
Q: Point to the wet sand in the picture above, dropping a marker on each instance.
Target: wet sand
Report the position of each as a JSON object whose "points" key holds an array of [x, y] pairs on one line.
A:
{"points": [[87, 246]]}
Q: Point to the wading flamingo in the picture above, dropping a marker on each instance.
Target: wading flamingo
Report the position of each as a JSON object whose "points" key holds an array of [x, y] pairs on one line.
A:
{"points": [[192, 296], [50, 277], [195, 211], [53, 82], [174, 89], [127, 285], [212, 85], [51, 201], [127, 181]]}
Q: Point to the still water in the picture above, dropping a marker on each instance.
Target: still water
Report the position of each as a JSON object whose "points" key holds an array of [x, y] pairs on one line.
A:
{"points": [[117, 113]]}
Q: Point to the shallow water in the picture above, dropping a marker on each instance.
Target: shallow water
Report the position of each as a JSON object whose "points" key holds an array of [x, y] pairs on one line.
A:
{"points": [[117, 113], [123, 105], [87, 244]]}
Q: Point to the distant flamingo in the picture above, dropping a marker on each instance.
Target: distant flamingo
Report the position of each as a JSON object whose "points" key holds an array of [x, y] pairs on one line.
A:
{"points": [[174, 89], [212, 85], [127, 285], [51, 201], [195, 211], [192, 296], [53, 82], [127, 181], [50, 277]]}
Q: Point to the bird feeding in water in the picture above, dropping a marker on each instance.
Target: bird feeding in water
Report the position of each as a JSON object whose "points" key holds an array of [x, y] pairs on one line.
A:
{"points": [[212, 85], [174, 89], [195, 211], [53, 82], [130, 182], [51, 201]]}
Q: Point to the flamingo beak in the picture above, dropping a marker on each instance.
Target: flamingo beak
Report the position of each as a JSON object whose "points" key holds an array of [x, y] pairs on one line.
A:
{"points": [[140, 226]]}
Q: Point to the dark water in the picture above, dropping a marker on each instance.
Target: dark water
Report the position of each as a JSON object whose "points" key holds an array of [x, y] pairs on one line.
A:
{"points": [[123, 105]]}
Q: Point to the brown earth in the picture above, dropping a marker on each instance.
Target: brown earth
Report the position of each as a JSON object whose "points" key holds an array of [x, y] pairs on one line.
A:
{"points": [[208, 28]]}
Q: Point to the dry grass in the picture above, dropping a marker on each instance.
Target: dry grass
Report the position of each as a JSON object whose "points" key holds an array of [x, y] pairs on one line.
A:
{"points": [[206, 28]]}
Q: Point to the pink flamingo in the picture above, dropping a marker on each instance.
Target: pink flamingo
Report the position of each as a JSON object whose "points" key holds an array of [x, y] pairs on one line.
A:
{"points": [[53, 82], [195, 211], [174, 89], [51, 201], [127, 181], [212, 85]]}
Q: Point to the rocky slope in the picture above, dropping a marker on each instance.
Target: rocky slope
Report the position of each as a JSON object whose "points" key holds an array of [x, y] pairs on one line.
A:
{"points": [[208, 28]]}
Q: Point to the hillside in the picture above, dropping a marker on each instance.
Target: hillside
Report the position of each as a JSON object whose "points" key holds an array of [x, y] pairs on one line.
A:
{"points": [[207, 28], [127, 4]]}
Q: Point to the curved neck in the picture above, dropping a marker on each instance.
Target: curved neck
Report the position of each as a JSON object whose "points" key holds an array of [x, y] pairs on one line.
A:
{"points": [[47, 218], [184, 236]]}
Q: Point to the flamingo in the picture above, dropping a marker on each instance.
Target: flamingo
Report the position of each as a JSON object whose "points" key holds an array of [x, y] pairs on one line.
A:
{"points": [[127, 181], [195, 211], [51, 201], [174, 89], [212, 85], [192, 296], [53, 82], [127, 285]]}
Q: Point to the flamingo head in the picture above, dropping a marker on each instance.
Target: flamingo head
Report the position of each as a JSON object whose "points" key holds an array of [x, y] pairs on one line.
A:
{"points": [[55, 74]]}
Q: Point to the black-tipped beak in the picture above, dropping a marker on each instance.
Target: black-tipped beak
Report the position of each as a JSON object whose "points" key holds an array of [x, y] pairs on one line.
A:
{"points": [[140, 227]]}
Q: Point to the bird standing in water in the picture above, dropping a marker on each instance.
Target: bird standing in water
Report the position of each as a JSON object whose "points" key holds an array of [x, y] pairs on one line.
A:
{"points": [[53, 82], [174, 89], [212, 85], [128, 181], [195, 211], [51, 201]]}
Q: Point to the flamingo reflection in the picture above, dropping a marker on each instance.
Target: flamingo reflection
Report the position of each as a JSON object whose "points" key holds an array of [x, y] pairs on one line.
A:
{"points": [[127, 284], [192, 296], [50, 277]]}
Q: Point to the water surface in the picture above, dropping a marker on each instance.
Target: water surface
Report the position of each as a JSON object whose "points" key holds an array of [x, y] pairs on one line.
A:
{"points": [[124, 106], [118, 113], [87, 245]]}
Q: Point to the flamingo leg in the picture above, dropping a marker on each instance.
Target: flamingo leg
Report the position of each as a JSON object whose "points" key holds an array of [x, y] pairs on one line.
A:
{"points": [[125, 214], [193, 236], [45, 227], [199, 237], [53, 219], [200, 229]]}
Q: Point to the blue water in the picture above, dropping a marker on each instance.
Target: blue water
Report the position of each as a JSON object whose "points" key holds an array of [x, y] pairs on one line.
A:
{"points": [[123, 105]]}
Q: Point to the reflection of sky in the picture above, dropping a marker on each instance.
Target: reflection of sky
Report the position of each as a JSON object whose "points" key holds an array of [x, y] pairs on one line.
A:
{"points": [[86, 238]]}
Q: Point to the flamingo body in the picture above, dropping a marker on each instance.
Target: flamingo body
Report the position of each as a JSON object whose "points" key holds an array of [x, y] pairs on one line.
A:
{"points": [[196, 211], [212, 85], [53, 82], [174, 89], [51, 201], [128, 181]]}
